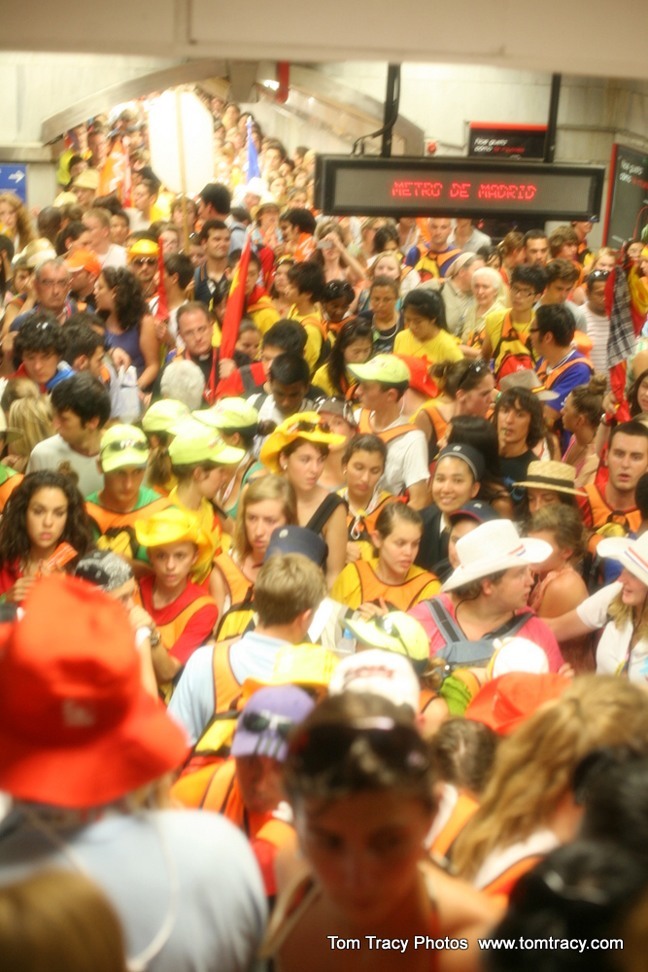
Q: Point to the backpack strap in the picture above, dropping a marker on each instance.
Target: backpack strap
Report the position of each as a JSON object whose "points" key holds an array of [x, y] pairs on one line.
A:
{"points": [[323, 512], [510, 627], [444, 621]]}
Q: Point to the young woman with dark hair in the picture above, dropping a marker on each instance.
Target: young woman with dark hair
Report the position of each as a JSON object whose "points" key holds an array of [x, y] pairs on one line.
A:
{"points": [[130, 329], [353, 345], [45, 511]]}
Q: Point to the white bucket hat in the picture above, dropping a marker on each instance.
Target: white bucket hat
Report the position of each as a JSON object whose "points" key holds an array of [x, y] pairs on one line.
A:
{"points": [[632, 554], [492, 547]]}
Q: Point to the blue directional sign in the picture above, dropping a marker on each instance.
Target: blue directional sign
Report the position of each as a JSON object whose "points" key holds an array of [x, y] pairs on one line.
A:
{"points": [[13, 177]]}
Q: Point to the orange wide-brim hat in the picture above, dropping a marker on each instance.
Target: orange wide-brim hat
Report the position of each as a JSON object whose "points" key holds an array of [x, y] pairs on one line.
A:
{"points": [[77, 728]]}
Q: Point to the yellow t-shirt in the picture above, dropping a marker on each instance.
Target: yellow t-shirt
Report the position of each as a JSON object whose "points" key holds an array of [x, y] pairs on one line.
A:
{"points": [[494, 322], [322, 380], [443, 347], [314, 339]]}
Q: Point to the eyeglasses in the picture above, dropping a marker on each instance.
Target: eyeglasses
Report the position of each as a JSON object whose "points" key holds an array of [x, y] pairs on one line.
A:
{"points": [[122, 444], [323, 749], [474, 369], [258, 722], [145, 261]]}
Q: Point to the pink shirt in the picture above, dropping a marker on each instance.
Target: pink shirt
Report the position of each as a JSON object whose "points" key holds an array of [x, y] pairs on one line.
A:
{"points": [[534, 629]]}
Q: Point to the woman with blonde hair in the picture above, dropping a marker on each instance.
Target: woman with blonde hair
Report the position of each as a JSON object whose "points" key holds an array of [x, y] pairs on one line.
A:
{"points": [[264, 505], [30, 420], [59, 921], [528, 807], [14, 221]]}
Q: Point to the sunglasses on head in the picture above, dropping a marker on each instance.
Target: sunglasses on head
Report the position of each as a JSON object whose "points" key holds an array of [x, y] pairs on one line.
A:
{"points": [[385, 623], [474, 369], [258, 722], [322, 749], [329, 405], [145, 261], [122, 444], [303, 426]]}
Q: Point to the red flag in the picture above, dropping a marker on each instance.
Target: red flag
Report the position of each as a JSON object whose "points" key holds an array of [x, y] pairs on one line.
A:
{"points": [[235, 303]]}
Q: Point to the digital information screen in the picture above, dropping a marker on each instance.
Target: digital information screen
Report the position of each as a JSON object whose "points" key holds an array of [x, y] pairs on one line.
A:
{"points": [[346, 186]]}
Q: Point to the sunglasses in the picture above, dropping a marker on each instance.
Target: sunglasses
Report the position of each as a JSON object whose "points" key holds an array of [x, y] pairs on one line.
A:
{"points": [[335, 406], [303, 426], [385, 623], [599, 275], [323, 749], [474, 369], [145, 261], [122, 444], [258, 722]]}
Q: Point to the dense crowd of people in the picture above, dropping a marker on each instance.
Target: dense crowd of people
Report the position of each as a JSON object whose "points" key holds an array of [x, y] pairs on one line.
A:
{"points": [[323, 578]]}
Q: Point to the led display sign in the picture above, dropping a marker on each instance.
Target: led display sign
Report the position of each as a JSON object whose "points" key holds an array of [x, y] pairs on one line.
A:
{"points": [[345, 186]]}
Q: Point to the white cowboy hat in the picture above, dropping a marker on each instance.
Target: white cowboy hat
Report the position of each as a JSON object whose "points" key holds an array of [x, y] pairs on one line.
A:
{"points": [[632, 554], [492, 547]]}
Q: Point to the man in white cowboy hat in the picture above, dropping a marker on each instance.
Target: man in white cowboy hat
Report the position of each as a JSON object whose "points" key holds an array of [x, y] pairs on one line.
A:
{"points": [[485, 597]]}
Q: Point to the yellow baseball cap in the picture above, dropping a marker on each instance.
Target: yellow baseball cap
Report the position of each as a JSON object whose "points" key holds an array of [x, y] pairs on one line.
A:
{"points": [[194, 443], [122, 446]]}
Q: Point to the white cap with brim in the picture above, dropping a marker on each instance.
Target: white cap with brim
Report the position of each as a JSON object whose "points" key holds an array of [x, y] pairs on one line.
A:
{"points": [[631, 554], [378, 672], [491, 548]]}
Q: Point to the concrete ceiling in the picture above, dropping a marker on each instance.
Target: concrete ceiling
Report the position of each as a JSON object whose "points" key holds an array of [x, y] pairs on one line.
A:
{"points": [[592, 39]]}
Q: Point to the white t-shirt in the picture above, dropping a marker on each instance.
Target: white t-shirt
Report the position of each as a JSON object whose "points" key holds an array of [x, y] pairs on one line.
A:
{"points": [[612, 651], [115, 256], [184, 883], [598, 331], [407, 460], [50, 453], [594, 611]]}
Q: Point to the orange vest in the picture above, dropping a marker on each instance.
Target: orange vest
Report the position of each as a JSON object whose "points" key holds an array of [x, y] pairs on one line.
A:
{"points": [[212, 748], [238, 585], [597, 513], [462, 811], [402, 596], [116, 530], [504, 883], [7, 488], [439, 424], [549, 379], [387, 435]]}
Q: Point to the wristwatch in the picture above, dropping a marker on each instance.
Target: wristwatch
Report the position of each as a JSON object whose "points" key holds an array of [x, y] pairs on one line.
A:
{"points": [[155, 638]]}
